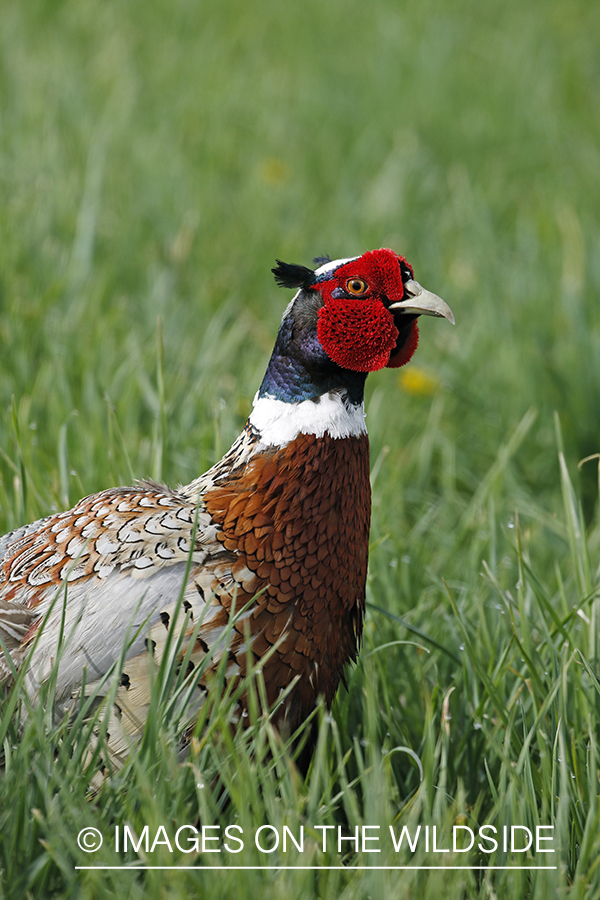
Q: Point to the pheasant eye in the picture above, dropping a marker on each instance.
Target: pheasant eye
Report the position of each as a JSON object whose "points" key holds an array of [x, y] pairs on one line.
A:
{"points": [[356, 286]]}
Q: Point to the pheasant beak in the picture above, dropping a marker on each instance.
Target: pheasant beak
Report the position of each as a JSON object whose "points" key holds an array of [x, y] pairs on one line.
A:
{"points": [[423, 303]]}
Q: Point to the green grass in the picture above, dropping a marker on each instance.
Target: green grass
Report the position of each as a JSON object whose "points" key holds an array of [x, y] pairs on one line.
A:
{"points": [[154, 159]]}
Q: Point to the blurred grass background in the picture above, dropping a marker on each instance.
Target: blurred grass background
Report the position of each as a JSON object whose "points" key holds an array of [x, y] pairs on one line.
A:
{"points": [[154, 159]]}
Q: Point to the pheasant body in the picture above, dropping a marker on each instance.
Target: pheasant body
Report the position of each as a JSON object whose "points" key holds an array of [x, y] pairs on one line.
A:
{"points": [[278, 528]]}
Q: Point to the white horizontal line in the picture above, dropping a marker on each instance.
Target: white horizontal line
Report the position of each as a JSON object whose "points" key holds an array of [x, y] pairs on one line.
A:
{"points": [[346, 868]]}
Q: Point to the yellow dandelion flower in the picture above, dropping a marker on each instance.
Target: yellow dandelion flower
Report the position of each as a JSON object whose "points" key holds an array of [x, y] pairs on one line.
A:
{"points": [[273, 171], [418, 382]]}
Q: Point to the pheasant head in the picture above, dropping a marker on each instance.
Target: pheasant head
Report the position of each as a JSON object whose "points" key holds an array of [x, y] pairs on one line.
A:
{"points": [[348, 318]]}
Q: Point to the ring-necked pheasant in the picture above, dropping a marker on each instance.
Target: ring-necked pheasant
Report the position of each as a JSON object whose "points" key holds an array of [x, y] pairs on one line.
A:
{"points": [[282, 518]]}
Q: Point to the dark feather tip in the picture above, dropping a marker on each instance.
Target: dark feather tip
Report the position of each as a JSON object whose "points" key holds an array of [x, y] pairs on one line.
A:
{"points": [[321, 260], [291, 276]]}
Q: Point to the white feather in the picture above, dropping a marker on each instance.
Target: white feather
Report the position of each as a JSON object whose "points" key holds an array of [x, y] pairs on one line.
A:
{"points": [[278, 422], [332, 265], [98, 617]]}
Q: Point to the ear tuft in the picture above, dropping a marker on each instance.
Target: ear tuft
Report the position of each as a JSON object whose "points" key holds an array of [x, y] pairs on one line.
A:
{"points": [[321, 260], [289, 275]]}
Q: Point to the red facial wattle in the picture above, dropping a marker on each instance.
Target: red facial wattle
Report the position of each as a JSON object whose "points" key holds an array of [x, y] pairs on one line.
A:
{"points": [[405, 352], [358, 332]]}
